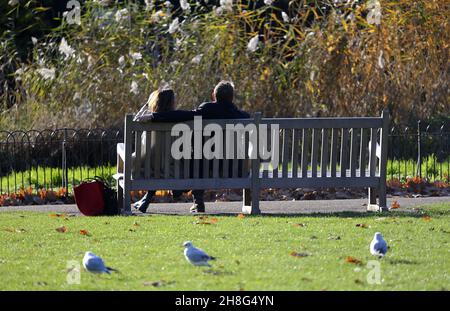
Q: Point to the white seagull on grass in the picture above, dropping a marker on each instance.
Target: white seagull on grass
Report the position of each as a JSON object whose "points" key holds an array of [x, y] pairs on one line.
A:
{"points": [[95, 264], [196, 256], [378, 246]]}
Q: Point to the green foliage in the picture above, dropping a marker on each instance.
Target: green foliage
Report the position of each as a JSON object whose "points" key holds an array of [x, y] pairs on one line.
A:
{"points": [[432, 169], [338, 65], [24, 20], [21, 22]]}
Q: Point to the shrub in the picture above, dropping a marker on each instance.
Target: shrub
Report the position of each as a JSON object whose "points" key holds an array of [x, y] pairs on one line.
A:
{"points": [[340, 64]]}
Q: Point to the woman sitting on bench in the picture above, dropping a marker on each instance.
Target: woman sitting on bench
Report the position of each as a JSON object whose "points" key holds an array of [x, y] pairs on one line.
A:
{"points": [[158, 101]]}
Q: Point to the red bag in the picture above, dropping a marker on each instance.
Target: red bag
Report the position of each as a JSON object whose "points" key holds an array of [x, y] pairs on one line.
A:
{"points": [[89, 198]]}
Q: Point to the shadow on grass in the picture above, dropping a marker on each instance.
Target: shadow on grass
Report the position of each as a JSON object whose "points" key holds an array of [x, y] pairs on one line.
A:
{"points": [[402, 262], [417, 213]]}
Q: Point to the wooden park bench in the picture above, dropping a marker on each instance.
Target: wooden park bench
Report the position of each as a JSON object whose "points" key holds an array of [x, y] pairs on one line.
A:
{"points": [[313, 153]]}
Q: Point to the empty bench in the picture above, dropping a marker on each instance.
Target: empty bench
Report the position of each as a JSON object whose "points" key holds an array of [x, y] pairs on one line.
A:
{"points": [[311, 152]]}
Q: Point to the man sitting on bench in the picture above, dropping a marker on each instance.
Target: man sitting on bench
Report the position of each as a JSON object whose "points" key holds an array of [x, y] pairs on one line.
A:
{"points": [[221, 107]]}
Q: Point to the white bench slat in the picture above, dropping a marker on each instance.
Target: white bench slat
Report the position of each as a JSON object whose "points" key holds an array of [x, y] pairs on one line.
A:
{"points": [[353, 152], [177, 168], [245, 162], [286, 153], [373, 151], [269, 147], [226, 148], [277, 152], [324, 155], [167, 154], [363, 153], [344, 151], [305, 151], [314, 151], [147, 160], [138, 155], [295, 145], [235, 161], [157, 151], [334, 145]]}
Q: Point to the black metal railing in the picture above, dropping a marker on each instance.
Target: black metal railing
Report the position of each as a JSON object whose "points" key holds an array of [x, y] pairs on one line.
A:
{"points": [[61, 158], [55, 158], [423, 150]]}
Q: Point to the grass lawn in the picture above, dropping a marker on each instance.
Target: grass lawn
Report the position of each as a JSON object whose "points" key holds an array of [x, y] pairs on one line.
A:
{"points": [[253, 252], [52, 177]]}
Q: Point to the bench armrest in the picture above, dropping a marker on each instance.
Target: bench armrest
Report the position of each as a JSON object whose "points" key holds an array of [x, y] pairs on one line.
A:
{"points": [[121, 151]]}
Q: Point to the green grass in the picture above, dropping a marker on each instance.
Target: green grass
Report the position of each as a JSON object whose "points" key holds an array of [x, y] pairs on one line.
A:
{"points": [[252, 253], [51, 178]]}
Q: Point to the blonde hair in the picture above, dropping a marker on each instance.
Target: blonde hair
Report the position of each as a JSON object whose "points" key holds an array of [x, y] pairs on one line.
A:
{"points": [[161, 100]]}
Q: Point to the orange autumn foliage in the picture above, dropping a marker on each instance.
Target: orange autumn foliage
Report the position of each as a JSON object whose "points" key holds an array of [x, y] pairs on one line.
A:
{"points": [[84, 232], [395, 205]]}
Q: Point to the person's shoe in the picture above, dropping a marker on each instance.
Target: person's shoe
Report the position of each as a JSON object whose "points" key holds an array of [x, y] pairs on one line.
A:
{"points": [[143, 203], [198, 208]]}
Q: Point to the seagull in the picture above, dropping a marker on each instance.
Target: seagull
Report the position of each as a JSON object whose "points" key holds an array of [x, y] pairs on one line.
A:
{"points": [[95, 264], [378, 246], [196, 256]]}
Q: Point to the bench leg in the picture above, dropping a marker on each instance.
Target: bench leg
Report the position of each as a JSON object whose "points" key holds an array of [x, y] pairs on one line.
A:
{"points": [[250, 204], [124, 198], [382, 197], [372, 203], [120, 192], [126, 203], [246, 197], [119, 196]]}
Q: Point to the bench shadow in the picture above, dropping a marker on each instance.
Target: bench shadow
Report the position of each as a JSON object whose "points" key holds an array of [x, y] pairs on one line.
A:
{"points": [[343, 214], [347, 214]]}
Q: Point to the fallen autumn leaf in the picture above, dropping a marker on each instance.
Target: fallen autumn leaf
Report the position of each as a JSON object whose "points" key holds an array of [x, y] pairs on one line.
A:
{"points": [[353, 260], [295, 254], [62, 229], [362, 226], [84, 232], [57, 215], [395, 205], [299, 225]]}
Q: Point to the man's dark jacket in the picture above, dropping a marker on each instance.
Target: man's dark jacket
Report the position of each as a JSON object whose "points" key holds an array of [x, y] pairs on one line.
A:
{"points": [[209, 110]]}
